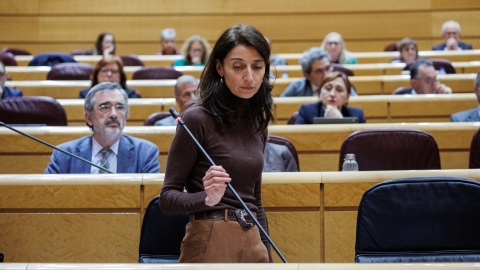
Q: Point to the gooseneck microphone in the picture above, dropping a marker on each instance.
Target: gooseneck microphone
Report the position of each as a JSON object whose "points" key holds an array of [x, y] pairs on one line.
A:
{"points": [[178, 118], [54, 147]]}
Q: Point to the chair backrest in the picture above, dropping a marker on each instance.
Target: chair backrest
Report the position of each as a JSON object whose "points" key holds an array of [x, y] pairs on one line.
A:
{"points": [[474, 162], [70, 71], [50, 59], [391, 149], [392, 47], [131, 60], [292, 119], [15, 51], [154, 117], [161, 235], [156, 73], [344, 70], [421, 219], [288, 144], [438, 64], [403, 90], [8, 59], [32, 111]]}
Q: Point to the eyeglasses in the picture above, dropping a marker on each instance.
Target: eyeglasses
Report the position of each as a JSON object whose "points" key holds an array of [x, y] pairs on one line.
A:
{"points": [[320, 71], [427, 80], [105, 71], [105, 108], [333, 43]]}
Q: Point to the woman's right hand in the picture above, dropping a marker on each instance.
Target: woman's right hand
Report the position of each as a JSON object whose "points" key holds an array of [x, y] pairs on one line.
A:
{"points": [[214, 183], [332, 112]]}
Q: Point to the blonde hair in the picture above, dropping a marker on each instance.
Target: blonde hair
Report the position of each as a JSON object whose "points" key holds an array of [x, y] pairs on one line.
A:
{"points": [[188, 43]]}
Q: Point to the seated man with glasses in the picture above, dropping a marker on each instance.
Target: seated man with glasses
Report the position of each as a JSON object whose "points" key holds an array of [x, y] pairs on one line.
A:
{"points": [[423, 79], [316, 64], [5, 91], [110, 69], [106, 112]]}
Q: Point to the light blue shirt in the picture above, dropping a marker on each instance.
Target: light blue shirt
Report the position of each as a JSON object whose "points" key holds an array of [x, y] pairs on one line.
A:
{"points": [[97, 156]]}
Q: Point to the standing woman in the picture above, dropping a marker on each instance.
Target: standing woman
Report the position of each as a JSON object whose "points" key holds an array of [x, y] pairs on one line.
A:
{"points": [[229, 118]]}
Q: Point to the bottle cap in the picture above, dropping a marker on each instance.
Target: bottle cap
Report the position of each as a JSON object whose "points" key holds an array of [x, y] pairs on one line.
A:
{"points": [[350, 156]]}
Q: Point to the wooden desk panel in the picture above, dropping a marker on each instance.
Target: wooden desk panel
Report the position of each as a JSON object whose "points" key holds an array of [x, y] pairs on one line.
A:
{"points": [[318, 146], [320, 229]]}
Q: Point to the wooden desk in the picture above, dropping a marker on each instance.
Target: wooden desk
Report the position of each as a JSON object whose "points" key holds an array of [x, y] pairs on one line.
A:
{"points": [[389, 108], [365, 85], [148, 60], [385, 57], [239, 266], [26, 73], [377, 109], [91, 219], [318, 146]]}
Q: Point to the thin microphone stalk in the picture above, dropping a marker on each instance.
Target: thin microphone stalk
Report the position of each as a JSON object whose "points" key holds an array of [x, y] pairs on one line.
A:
{"points": [[178, 118], [54, 147]]}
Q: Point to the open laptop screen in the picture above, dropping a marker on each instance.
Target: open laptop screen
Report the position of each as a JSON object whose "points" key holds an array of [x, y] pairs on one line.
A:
{"points": [[344, 120]]}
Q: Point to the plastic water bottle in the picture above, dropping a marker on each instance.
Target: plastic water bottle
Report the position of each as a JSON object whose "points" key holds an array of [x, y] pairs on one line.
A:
{"points": [[442, 71], [350, 164], [285, 74]]}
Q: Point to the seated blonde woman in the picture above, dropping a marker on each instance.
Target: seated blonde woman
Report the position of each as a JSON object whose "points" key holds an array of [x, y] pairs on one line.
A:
{"points": [[195, 51], [334, 95], [334, 44]]}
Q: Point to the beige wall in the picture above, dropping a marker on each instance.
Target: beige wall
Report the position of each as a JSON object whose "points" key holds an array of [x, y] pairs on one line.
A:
{"points": [[56, 25]]}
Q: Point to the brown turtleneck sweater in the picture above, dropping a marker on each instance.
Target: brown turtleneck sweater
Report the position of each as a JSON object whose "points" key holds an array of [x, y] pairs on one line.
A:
{"points": [[237, 149]]}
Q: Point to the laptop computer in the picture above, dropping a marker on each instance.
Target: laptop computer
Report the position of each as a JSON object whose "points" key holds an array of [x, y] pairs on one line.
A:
{"points": [[344, 120]]}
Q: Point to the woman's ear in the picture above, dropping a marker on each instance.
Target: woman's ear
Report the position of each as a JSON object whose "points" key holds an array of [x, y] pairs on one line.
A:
{"points": [[219, 67]]}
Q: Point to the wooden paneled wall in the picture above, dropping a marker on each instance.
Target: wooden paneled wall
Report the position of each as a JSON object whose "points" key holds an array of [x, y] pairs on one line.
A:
{"points": [[370, 25]]}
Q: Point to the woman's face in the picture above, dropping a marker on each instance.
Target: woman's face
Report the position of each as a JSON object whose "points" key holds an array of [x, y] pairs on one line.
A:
{"points": [[243, 70], [409, 53], [196, 52], [334, 47], [107, 42], [334, 93], [109, 73]]}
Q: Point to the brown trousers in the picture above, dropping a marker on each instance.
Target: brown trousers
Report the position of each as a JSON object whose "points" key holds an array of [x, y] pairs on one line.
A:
{"points": [[220, 241]]}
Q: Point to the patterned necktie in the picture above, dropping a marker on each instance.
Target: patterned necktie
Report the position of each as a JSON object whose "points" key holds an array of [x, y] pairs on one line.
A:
{"points": [[104, 162]]}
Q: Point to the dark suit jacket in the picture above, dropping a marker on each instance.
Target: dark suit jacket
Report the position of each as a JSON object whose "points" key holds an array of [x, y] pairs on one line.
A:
{"points": [[9, 92], [50, 59], [130, 93], [463, 45], [134, 156], [308, 111], [466, 116]]}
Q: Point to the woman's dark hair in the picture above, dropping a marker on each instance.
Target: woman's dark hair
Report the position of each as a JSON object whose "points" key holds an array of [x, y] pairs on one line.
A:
{"points": [[98, 44], [216, 99], [332, 76], [109, 59]]}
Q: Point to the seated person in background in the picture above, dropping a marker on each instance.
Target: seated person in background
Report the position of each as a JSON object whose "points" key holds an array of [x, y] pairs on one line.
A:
{"points": [[451, 29], [195, 51], [334, 95], [106, 112], [105, 45], [316, 64], [167, 41], [110, 69], [5, 91], [408, 51], [423, 79], [277, 158], [334, 44], [184, 91], [472, 115]]}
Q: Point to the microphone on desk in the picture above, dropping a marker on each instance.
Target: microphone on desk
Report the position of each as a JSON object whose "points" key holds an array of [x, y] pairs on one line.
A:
{"points": [[178, 118], [54, 147]]}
